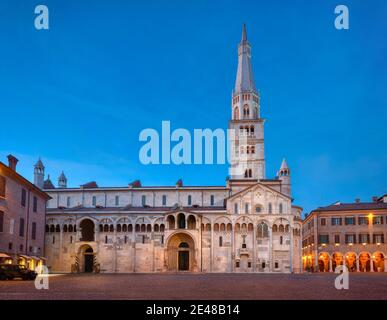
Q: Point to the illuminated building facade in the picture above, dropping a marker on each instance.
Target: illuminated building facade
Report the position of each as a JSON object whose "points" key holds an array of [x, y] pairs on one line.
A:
{"points": [[350, 233]]}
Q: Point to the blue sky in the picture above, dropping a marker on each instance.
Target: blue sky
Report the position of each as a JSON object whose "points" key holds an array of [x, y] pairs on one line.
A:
{"points": [[79, 94]]}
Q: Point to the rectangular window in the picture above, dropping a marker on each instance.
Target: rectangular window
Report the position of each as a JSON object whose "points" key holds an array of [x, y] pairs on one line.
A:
{"points": [[377, 220], [2, 187], [349, 221], [21, 247], [237, 264], [68, 204], [143, 200], [33, 231], [117, 201], [220, 241], [350, 238], [276, 265], [323, 239], [246, 208], [337, 238], [21, 227], [243, 245], [323, 221], [249, 264], [35, 204], [364, 238], [336, 221], [212, 200], [94, 201], [10, 245], [23, 197], [189, 200], [1, 221], [164, 200], [363, 220], [235, 208], [379, 238], [11, 226]]}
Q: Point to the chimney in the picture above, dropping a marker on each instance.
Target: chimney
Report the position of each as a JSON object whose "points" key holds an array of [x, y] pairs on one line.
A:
{"points": [[374, 199], [357, 200], [12, 162]]}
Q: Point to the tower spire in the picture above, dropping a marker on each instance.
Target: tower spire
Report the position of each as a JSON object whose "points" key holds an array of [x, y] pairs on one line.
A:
{"points": [[245, 78], [244, 33]]}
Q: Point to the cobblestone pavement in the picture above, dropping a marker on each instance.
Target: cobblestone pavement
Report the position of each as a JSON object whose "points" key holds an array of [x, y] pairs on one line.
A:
{"points": [[199, 286]]}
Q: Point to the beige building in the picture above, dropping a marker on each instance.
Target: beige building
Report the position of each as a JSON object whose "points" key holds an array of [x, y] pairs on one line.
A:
{"points": [[350, 233], [248, 225]]}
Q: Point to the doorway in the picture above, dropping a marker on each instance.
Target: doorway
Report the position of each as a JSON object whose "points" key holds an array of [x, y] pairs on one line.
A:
{"points": [[89, 260], [183, 260]]}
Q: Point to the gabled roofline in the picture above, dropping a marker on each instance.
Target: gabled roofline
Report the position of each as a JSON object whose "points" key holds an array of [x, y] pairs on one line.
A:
{"points": [[254, 185]]}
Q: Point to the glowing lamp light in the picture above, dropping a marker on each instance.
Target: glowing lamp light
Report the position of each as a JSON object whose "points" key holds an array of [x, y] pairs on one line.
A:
{"points": [[364, 243], [378, 244], [351, 244]]}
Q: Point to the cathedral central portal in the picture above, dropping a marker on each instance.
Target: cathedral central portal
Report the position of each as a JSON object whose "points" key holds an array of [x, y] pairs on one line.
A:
{"points": [[181, 253]]}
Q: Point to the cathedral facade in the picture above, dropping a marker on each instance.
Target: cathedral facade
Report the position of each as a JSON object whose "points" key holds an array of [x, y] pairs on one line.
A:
{"points": [[248, 225]]}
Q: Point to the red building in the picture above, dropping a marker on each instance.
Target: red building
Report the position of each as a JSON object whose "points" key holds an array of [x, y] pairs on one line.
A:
{"points": [[22, 218]]}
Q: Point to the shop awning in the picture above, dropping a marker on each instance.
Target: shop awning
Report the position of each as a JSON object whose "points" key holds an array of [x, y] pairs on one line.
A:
{"points": [[3, 255], [25, 257], [35, 258]]}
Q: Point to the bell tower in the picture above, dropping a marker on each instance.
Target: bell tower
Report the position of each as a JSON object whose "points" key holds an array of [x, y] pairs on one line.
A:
{"points": [[247, 132]]}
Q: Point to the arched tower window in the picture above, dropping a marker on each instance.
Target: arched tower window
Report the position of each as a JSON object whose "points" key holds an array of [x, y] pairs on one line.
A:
{"points": [[236, 113], [246, 111]]}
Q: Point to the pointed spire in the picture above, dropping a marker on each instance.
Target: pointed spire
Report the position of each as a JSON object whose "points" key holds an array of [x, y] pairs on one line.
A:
{"points": [[244, 79], [244, 33], [62, 181], [284, 165], [39, 164]]}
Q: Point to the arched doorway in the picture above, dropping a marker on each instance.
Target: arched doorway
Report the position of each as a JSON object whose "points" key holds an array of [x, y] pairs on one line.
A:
{"points": [[351, 261], [323, 262], [364, 262], [181, 253], [88, 260], [378, 261]]}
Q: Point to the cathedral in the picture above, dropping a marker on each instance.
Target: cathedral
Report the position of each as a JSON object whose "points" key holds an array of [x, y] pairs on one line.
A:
{"points": [[247, 225]]}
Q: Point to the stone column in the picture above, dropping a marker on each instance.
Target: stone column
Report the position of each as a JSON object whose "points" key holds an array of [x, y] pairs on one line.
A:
{"points": [[153, 253], [254, 246], [61, 249], [233, 249], [371, 264], [291, 249], [134, 249], [357, 265], [330, 265], [115, 249], [212, 247], [270, 250]]}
